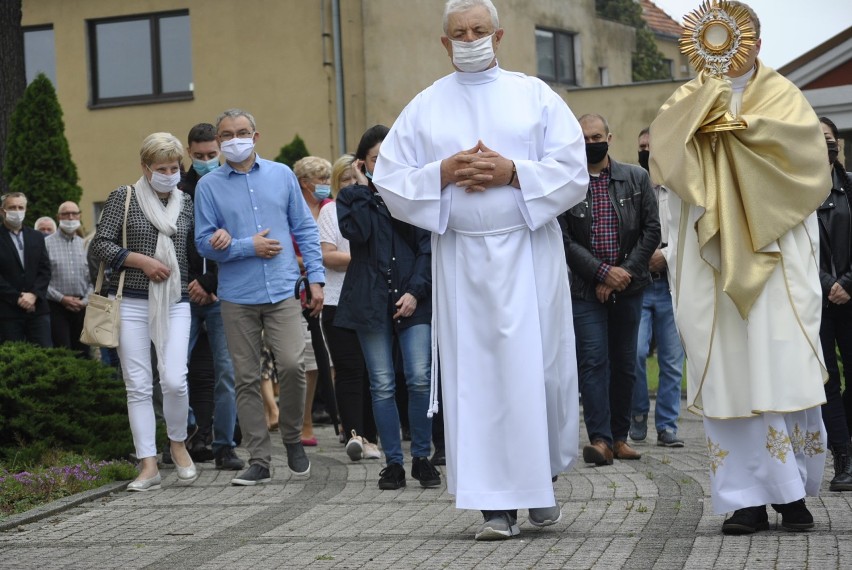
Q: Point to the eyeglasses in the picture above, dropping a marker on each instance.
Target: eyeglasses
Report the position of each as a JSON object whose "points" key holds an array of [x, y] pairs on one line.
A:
{"points": [[241, 134], [69, 214]]}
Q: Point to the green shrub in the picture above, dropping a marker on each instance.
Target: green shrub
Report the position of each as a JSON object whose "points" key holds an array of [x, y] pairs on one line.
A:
{"points": [[293, 152], [51, 399], [38, 160]]}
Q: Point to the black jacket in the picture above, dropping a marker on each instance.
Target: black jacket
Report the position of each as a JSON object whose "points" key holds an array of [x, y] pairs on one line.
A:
{"points": [[209, 279], [33, 277], [835, 239], [632, 195], [389, 258]]}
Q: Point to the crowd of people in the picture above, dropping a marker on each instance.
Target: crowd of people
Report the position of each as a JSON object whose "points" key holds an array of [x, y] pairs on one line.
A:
{"points": [[432, 283]]}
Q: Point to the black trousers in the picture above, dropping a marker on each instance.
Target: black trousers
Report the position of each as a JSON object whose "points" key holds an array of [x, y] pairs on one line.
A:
{"points": [[324, 394], [836, 333], [34, 329], [201, 380], [65, 328], [351, 382]]}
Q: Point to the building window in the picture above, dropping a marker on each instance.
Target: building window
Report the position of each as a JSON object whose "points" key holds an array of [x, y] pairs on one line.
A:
{"points": [[140, 59], [555, 55], [39, 52], [669, 65]]}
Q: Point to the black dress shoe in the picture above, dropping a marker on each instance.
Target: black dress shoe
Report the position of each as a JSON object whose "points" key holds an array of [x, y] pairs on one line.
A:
{"points": [[795, 516], [747, 521]]}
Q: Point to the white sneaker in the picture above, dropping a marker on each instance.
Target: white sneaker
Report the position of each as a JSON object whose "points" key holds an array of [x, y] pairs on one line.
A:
{"points": [[371, 451], [355, 447]]}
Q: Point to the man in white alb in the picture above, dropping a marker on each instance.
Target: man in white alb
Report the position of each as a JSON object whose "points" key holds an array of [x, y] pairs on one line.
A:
{"points": [[487, 159]]}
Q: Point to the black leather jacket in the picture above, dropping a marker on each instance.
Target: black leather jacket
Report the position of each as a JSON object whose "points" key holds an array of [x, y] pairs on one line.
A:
{"points": [[835, 239], [632, 196]]}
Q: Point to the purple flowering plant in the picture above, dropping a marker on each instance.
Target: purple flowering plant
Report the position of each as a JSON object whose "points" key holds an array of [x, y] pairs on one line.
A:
{"points": [[60, 475]]}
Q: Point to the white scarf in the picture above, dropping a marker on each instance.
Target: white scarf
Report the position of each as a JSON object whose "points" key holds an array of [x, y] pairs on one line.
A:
{"points": [[161, 295]]}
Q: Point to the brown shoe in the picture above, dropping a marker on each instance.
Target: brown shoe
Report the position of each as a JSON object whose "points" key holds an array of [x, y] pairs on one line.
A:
{"points": [[598, 453], [623, 451]]}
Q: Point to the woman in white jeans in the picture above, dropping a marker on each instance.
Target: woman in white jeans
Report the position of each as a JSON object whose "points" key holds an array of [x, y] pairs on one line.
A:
{"points": [[155, 305]]}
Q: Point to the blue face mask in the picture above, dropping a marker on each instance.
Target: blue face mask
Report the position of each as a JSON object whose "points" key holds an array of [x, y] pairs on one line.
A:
{"points": [[368, 174], [203, 167], [322, 191]]}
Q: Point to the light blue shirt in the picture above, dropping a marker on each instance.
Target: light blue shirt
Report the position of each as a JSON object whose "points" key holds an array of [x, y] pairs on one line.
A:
{"points": [[266, 197]]}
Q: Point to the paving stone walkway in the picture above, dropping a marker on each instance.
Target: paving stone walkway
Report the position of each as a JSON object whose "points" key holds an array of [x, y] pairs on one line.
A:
{"points": [[651, 513]]}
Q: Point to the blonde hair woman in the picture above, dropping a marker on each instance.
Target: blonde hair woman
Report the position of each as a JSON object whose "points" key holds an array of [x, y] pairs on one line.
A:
{"points": [[155, 308]]}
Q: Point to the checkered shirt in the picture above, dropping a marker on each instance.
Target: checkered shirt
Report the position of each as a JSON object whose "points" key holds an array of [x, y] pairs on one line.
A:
{"points": [[604, 224]]}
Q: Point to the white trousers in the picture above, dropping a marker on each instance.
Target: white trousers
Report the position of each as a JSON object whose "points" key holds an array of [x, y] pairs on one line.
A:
{"points": [[134, 350], [770, 458]]}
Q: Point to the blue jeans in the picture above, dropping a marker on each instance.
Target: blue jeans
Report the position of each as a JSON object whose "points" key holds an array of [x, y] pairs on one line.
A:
{"points": [[224, 398], [415, 343], [658, 319], [606, 362]]}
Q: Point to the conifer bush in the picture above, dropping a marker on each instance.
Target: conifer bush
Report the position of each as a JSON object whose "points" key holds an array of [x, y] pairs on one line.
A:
{"points": [[38, 160], [293, 152], [50, 399]]}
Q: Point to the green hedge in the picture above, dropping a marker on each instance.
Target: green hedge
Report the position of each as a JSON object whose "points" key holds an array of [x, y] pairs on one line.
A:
{"points": [[51, 399]]}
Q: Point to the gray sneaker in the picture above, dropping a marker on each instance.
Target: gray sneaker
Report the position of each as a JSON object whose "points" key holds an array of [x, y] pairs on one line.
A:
{"points": [[638, 427], [297, 460], [254, 475], [668, 438], [546, 516], [499, 525]]}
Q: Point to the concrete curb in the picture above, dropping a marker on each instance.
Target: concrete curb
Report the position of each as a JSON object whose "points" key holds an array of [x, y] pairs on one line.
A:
{"points": [[60, 505]]}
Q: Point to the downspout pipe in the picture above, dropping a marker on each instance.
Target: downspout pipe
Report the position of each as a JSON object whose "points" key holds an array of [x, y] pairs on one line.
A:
{"points": [[338, 76]]}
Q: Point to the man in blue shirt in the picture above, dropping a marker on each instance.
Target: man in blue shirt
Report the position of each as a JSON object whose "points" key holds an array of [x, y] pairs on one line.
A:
{"points": [[245, 213]]}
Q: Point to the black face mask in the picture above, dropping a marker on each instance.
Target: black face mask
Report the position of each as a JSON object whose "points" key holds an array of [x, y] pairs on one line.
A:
{"points": [[644, 155], [833, 151], [596, 152]]}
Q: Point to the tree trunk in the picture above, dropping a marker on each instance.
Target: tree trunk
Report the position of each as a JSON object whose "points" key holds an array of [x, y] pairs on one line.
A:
{"points": [[13, 78]]}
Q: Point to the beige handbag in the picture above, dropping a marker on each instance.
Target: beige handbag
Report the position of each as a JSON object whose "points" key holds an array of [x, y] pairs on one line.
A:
{"points": [[102, 321]]}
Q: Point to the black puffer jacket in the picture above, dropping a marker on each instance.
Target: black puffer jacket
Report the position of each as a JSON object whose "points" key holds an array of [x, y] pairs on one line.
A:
{"points": [[632, 196], [389, 258], [835, 235]]}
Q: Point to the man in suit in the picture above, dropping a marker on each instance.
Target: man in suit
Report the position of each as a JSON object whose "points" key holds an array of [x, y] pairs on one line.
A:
{"points": [[24, 276]]}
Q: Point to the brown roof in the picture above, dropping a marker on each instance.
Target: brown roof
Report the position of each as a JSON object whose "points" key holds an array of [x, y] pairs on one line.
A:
{"points": [[659, 22]]}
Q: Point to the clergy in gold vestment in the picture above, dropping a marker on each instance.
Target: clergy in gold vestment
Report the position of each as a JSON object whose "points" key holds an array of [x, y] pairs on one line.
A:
{"points": [[743, 259]]}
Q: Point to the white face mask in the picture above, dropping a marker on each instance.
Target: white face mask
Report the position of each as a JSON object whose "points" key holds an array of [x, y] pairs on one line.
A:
{"points": [[164, 183], [69, 226], [236, 149], [16, 218], [474, 56]]}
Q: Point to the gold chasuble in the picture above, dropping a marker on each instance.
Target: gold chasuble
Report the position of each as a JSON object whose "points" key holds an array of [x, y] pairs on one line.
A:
{"points": [[743, 243], [754, 184]]}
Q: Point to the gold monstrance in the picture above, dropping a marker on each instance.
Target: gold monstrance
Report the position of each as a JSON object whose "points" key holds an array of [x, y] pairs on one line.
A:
{"points": [[716, 36]]}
